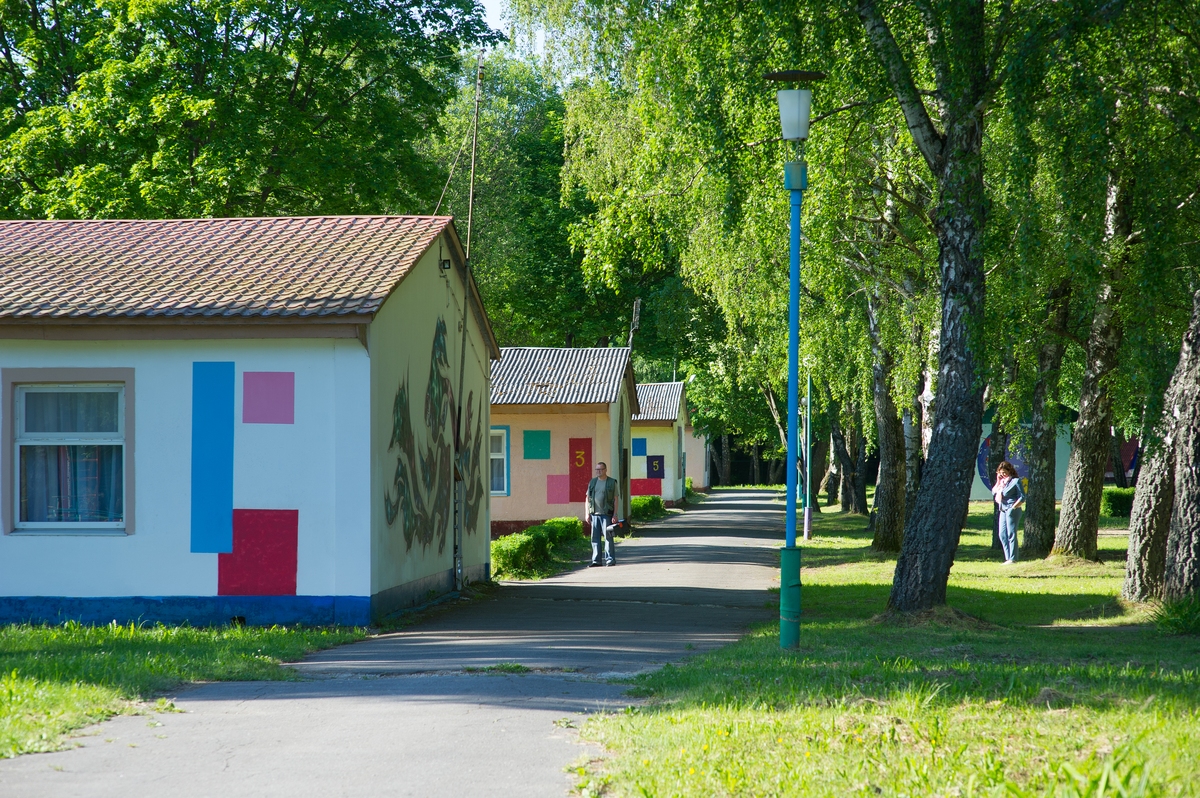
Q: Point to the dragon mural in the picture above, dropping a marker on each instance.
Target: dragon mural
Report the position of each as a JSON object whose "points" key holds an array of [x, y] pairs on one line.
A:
{"points": [[421, 492]]}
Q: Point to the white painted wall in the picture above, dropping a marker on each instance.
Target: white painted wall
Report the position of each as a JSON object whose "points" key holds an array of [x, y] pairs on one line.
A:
{"points": [[695, 449], [318, 466]]}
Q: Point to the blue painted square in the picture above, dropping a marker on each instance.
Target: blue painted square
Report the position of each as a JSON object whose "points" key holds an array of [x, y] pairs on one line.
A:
{"points": [[639, 447], [212, 457]]}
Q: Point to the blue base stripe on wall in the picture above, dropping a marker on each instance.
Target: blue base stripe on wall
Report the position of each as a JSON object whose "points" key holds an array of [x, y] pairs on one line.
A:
{"points": [[193, 610]]}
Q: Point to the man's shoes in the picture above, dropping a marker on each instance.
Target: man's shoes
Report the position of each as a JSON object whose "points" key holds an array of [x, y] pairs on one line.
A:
{"points": [[609, 562], [593, 564]]}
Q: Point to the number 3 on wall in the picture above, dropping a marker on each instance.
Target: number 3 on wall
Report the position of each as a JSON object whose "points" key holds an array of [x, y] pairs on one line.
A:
{"points": [[579, 461]]}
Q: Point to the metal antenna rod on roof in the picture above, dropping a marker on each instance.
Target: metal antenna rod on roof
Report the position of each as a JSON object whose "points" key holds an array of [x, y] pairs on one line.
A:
{"points": [[474, 148], [633, 323]]}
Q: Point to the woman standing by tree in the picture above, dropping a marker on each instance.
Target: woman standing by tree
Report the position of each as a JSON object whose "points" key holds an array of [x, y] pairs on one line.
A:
{"points": [[1010, 496]]}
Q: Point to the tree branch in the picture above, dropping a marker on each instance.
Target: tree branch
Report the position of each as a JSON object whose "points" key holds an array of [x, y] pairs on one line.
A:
{"points": [[928, 140]]}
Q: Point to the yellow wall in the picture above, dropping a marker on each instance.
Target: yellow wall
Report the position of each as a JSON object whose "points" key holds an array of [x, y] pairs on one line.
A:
{"points": [[412, 442], [662, 441], [528, 489]]}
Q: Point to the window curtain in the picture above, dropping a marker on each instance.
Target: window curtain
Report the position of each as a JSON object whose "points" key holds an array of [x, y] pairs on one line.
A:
{"points": [[72, 484], [71, 411]]}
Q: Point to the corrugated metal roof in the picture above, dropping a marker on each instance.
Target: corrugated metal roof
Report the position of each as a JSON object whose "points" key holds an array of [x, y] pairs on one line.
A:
{"points": [[659, 401], [552, 375], [289, 267]]}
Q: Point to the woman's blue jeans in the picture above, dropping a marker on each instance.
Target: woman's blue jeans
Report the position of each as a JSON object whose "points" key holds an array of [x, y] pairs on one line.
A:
{"points": [[1009, 521]]}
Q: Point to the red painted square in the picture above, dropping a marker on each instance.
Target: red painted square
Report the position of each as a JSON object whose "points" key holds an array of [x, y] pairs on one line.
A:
{"points": [[269, 397], [263, 561], [580, 467], [641, 487]]}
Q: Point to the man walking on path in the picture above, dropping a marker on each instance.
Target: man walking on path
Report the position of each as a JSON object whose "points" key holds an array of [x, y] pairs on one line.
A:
{"points": [[603, 497]]}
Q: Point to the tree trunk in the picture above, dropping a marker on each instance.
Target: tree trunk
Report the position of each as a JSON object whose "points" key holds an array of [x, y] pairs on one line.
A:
{"points": [[757, 472], [859, 497], [720, 456], [845, 465], [833, 479], [954, 157], [935, 525], [1077, 528], [1182, 578], [1150, 520], [820, 454], [889, 487], [911, 422], [1043, 465], [1118, 464]]}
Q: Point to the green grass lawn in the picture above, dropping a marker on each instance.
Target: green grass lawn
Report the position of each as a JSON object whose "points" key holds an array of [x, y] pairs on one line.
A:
{"points": [[1051, 688], [54, 679]]}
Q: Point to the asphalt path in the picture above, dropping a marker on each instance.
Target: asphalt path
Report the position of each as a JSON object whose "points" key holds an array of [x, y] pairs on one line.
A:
{"points": [[418, 712]]}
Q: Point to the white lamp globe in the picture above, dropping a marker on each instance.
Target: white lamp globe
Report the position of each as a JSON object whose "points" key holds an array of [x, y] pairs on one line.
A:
{"points": [[794, 108]]}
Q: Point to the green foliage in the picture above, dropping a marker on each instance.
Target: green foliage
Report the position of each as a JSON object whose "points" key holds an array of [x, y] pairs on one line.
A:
{"points": [[521, 553], [539, 550], [647, 508], [564, 530], [60, 678], [117, 108], [1179, 617], [1117, 502], [529, 271]]}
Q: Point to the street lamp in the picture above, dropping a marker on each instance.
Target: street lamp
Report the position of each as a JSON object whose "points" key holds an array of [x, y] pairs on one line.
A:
{"points": [[794, 108]]}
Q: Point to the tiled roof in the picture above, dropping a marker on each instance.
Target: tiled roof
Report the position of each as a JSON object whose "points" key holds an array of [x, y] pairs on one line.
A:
{"points": [[326, 266], [659, 401], [550, 375]]}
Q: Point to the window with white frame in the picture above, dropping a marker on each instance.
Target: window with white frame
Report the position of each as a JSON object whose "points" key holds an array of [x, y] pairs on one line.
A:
{"points": [[70, 457], [499, 462]]}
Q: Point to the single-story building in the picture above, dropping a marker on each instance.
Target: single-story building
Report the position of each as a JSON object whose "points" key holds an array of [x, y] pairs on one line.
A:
{"points": [[281, 420], [555, 414], [658, 441], [696, 458]]}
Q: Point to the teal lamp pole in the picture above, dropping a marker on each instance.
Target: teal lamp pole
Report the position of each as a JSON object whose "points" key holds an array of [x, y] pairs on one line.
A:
{"points": [[794, 108]]}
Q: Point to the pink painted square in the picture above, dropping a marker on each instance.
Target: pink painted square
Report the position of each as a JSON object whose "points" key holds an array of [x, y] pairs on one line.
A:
{"points": [[269, 397], [558, 489]]}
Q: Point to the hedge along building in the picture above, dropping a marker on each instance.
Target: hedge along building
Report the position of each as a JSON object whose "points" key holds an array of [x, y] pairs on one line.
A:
{"points": [[658, 441], [555, 414], [279, 419]]}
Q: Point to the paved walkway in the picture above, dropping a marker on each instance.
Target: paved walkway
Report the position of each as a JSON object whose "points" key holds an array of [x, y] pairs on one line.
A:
{"points": [[399, 716]]}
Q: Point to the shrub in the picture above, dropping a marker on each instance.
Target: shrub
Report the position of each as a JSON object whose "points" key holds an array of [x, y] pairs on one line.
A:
{"points": [[1179, 617], [527, 553], [647, 508], [561, 530], [521, 552], [1117, 502]]}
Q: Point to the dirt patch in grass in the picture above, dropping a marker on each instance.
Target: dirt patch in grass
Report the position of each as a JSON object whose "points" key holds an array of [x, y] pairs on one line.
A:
{"points": [[946, 617]]}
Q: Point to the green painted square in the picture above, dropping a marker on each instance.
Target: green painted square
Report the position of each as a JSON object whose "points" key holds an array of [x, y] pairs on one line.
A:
{"points": [[537, 444]]}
